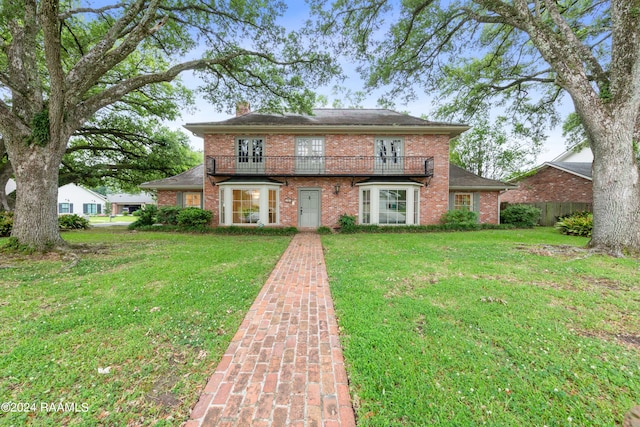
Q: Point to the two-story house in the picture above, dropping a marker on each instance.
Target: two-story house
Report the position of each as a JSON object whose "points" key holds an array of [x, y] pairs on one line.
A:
{"points": [[305, 171]]}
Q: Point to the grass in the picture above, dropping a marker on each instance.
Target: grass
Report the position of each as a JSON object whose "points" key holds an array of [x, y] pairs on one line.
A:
{"points": [[501, 328], [117, 218], [154, 310]]}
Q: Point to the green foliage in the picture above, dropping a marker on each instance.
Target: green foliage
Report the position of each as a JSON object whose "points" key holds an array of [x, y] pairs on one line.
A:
{"points": [[168, 215], [460, 220], [6, 223], [324, 230], [40, 128], [72, 222], [194, 217], [576, 224], [347, 223], [148, 215], [520, 215]]}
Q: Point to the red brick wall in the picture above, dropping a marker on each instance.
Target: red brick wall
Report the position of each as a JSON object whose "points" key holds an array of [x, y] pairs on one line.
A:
{"points": [[489, 205], [551, 185], [433, 199], [166, 198]]}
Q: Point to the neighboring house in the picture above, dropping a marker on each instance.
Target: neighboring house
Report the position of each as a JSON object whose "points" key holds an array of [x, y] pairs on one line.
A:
{"points": [[129, 203], [10, 187], [74, 199], [306, 171], [183, 190]]}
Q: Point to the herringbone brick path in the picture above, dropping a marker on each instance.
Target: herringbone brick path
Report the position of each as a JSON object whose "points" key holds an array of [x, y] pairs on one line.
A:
{"points": [[284, 366]]}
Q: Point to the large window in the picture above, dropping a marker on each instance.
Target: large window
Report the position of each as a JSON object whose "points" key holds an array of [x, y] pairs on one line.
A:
{"points": [[91, 208], [310, 154], [390, 204], [250, 154], [249, 204], [389, 154]]}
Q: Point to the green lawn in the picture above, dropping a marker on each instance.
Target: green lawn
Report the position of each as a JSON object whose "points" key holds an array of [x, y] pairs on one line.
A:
{"points": [[490, 327], [154, 310], [117, 218]]}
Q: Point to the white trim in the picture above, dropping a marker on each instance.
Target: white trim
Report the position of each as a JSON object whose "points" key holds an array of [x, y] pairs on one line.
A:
{"points": [[374, 200], [226, 202]]}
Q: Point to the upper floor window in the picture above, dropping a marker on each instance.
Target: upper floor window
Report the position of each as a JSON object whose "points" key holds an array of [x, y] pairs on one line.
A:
{"points": [[250, 154], [389, 153], [310, 154]]}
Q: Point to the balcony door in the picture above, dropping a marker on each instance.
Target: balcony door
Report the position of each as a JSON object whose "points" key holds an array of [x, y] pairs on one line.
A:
{"points": [[389, 155], [250, 155], [310, 155]]}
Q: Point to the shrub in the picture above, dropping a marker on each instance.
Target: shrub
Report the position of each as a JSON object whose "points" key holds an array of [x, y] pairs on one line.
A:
{"points": [[72, 222], [347, 223], [146, 216], [577, 224], [6, 223], [194, 217], [168, 215], [521, 216], [460, 220], [324, 230]]}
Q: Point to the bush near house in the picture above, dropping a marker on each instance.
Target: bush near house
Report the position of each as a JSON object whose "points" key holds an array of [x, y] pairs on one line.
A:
{"points": [[168, 215], [521, 216], [194, 217], [72, 222], [460, 220], [148, 215], [6, 223], [576, 224]]}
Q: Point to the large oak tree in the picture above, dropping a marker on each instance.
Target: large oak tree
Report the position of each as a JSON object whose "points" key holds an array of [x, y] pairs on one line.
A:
{"points": [[523, 56], [63, 63]]}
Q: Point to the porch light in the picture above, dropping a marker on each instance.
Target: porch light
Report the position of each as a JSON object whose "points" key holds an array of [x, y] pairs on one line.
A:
{"points": [[336, 188]]}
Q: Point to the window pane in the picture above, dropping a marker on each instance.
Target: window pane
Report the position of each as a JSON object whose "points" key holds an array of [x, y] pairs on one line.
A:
{"points": [[462, 202], [416, 206], [246, 206], [366, 207], [393, 207], [273, 207], [223, 217], [192, 200]]}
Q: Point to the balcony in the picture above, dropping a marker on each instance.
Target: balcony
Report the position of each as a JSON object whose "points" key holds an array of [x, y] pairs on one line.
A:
{"points": [[286, 166]]}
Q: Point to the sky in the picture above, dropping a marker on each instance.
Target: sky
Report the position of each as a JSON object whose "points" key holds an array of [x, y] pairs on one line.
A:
{"points": [[297, 14]]}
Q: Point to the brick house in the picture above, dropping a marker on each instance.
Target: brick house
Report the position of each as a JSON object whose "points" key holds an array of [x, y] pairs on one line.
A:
{"points": [[556, 182], [305, 171]]}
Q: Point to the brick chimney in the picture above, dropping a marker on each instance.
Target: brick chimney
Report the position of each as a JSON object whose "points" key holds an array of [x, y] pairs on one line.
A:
{"points": [[242, 108]]}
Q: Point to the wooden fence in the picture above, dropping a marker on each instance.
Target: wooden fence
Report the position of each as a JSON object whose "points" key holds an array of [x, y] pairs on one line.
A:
{"points": [[550, 211]]}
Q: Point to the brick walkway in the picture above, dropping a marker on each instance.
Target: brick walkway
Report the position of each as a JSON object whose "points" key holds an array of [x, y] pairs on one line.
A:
{"points": [[284, 366]]}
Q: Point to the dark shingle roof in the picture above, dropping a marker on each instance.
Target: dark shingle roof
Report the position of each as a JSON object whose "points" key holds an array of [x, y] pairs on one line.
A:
{"points": [[576, 168], [191, 179], [329, 117], [460, 179]]}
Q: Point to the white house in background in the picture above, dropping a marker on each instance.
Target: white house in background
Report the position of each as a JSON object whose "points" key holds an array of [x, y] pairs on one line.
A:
{"points": [[580, 153], [73, 199], [10, 187]]}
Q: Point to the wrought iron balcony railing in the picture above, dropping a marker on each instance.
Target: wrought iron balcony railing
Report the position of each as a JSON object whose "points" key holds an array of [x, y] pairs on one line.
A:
{"points": [[400, 166]]}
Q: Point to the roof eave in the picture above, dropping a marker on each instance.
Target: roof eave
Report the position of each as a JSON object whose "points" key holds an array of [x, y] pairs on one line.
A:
{"points": [[170, 187], [204, 129], [481, 187]]}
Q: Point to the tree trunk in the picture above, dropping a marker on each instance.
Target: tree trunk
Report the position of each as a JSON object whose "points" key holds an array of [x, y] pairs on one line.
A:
{"points": [[616, 192], [5, 174], [36, 217]]}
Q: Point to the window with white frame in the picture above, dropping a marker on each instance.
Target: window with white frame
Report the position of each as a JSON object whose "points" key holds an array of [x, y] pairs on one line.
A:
{"points": [[462, 201], [310, 154], [249, 204], [390, 204], [250, 154], [389, 154]]}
